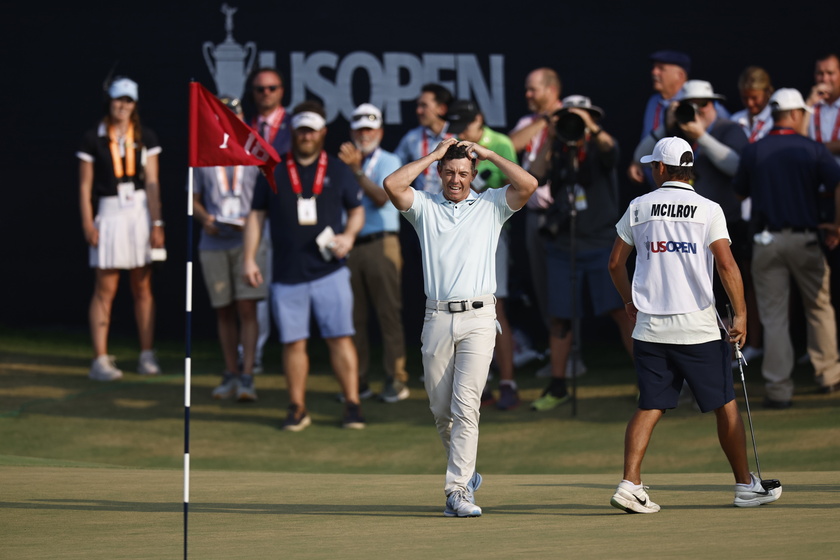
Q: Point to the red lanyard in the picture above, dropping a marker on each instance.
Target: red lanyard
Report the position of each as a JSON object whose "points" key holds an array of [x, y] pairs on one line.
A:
{"points": [[756, 130], [782, 131], [274, 121], [818, 133], [294, 177], [656, 116]]}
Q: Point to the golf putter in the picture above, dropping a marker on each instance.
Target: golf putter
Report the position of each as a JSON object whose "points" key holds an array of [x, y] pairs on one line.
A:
{"points": [[770, 483]]}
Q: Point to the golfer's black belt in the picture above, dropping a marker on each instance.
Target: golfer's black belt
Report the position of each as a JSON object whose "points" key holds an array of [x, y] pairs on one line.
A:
{"points": [[459, 306]]}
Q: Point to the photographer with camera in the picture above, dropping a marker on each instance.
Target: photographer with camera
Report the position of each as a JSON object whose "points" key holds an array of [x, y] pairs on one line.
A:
{"points": [[579, 162]]}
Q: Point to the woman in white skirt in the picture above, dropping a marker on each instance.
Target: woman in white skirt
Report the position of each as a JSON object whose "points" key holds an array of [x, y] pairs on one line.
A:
{"points": [[121, 218]]}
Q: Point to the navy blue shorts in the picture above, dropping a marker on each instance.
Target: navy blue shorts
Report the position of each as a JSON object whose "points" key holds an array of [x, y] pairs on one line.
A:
{"points": [[591, 270], [661, 369]]}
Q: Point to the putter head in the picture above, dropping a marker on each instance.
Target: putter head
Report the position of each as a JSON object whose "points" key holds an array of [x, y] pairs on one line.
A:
{"points": [[770, 483]]}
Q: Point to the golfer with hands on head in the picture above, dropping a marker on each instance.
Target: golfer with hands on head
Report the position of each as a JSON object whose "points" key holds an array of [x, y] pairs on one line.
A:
{"points": [[458, 231], [678, 235]]}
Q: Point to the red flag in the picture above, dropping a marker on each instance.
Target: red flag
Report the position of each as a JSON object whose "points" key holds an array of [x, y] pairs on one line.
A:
{"points": [[219, 137]]}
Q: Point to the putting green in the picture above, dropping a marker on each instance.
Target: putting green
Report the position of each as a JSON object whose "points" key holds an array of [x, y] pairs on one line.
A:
{"points": [[84, 512]]}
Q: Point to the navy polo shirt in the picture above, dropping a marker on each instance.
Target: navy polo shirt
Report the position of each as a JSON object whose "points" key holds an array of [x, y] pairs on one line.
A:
{"points": [[782, 173], [296, 257]]}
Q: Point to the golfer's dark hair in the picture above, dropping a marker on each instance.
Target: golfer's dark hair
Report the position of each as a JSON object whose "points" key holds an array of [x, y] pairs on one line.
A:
{"points": [[685, 174], [456, 152]]}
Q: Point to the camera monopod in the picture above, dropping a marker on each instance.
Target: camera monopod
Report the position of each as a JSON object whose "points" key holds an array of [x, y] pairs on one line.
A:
{"points": [[770, 483]]}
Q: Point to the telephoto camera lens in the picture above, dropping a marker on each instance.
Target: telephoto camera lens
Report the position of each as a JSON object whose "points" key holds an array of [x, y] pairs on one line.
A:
{"points": [[570, 127], [685, 112]]}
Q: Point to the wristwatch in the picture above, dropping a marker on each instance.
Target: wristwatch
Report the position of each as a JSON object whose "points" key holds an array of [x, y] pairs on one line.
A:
{"points": [[158, 223]]}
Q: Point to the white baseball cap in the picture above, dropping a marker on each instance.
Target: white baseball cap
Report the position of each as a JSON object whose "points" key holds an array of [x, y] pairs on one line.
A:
{"points": [[123, 87], [366, 115], [699, 89], [308, 119], [670, 152], [786, 99]]}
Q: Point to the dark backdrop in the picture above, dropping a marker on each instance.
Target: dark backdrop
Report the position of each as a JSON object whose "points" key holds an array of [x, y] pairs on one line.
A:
{"points": [[55, 62]]}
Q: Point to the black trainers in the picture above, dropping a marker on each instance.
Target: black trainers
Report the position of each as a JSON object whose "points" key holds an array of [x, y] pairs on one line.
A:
{"points": [[296, 420], [353, 418]]}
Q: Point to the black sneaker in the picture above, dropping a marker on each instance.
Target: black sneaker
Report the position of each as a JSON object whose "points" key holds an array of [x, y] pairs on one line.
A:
{"points": [[296, 420], [353, 418]]}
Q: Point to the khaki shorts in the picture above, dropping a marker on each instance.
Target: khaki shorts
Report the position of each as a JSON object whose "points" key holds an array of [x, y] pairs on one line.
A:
{"points": [[224, 279]]}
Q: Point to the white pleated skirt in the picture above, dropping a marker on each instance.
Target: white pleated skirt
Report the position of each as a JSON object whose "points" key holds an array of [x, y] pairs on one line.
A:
{"points": [[123, 234]]}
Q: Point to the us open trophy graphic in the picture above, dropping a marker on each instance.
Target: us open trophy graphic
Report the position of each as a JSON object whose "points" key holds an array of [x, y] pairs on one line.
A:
{"points": [[229, 62]]}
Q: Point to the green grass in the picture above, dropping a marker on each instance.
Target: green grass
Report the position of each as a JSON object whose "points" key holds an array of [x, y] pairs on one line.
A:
{"points": [[50, 411]]}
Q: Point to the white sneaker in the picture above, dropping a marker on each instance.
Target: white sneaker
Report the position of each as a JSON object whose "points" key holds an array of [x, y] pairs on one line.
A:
{"points": [[148, 364], [103, 368], [457, 505], [633, 501], [245, 391], [753, 495], [227, 387], [525, 356]]}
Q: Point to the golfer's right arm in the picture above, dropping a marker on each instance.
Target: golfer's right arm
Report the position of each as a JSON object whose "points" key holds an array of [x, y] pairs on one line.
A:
{"points": [[730, 277], [253, 232], [398, 183]]}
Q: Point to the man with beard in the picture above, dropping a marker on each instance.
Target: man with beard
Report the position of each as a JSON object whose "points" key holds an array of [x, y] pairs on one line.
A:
{"points": [[309, 273], [376, 261]]}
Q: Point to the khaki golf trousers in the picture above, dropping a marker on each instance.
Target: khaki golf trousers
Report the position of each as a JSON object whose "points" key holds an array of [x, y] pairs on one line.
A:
{"points": [[457, 350], [796, 254]]}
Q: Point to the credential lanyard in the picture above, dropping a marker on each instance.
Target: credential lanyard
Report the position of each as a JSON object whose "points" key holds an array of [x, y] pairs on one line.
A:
{"points": [[371, 162], [224, 184], [835, 133], [274, 121], [116, 157], [754, 134], [294, 176]]}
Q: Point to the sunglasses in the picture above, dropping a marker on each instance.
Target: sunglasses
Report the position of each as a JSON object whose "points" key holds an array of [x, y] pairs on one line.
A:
{"points": [[372, 118], [263, 89], [700, 103]]}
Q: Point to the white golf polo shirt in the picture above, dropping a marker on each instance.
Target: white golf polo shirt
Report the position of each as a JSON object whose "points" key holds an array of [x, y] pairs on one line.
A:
{"points": [[458, 241], [672, 228]]}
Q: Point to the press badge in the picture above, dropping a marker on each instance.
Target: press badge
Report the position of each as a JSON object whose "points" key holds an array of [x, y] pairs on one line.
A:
{"points": [[580, 198], [125, 194], [231, 207], [307, 213]]}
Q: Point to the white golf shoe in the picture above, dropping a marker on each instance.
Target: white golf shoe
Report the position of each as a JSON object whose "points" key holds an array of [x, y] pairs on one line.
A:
{"points": [[633, 501], [753, 495], [459, 505]]}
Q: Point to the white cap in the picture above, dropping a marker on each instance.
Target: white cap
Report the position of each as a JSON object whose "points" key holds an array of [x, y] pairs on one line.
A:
{"points": [[308, 119], [786, 99], [582, 102], [670, 152], [366, 116], [123, 87], [699, 89]]}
